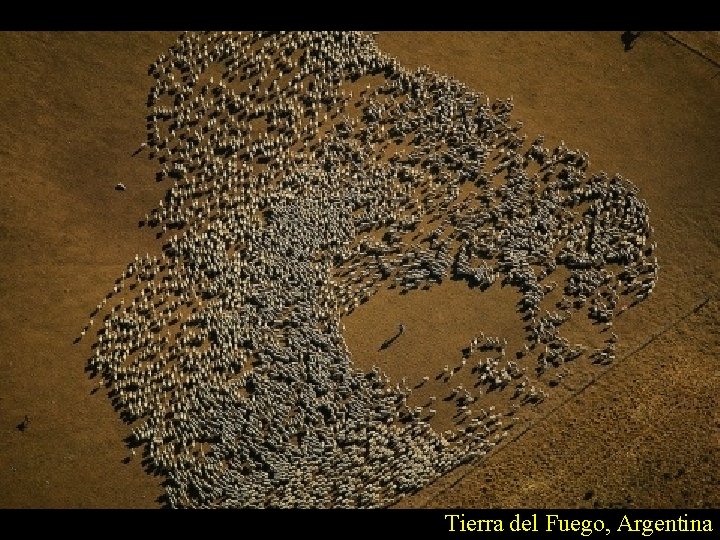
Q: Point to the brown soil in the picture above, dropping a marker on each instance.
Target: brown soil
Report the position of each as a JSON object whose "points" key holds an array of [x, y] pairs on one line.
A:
{"points": [[646, 432]]}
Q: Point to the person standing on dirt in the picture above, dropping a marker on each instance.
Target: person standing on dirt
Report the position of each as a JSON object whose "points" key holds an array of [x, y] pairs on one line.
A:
{"points": [[628, 38]]}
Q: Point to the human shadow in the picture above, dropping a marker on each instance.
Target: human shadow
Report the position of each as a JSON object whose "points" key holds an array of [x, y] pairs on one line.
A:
{"points": [[390, 341]]}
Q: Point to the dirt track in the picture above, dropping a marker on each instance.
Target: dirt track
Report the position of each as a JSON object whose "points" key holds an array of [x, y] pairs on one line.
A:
{"points": [[647, 433]]}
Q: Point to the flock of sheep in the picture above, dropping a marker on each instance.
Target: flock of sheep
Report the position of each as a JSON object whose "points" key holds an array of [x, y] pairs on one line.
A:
{"points": [[308, 171]]}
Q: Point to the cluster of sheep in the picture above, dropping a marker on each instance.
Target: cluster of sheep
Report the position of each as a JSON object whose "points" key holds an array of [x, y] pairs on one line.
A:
{"points": [[309, 170]]}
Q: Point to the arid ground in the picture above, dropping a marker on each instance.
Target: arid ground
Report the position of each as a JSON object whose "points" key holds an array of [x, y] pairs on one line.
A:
{"points": [[644, 432]]}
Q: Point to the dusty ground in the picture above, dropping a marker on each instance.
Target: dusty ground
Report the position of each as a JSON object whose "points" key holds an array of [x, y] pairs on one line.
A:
{"points": [[646, 433]]}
